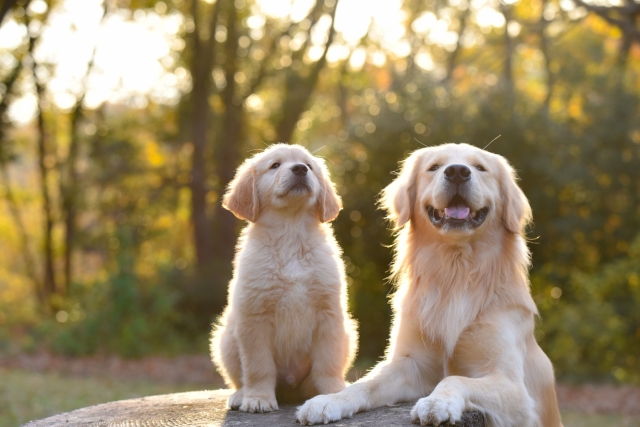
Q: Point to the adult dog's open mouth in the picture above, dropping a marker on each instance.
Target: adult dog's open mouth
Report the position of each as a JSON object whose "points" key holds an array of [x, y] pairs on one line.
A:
{"points": [[457, 214]]}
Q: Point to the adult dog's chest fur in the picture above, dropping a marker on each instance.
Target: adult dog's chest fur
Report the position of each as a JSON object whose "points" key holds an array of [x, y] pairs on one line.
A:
{"points": [[443, 315], [447, 289]]}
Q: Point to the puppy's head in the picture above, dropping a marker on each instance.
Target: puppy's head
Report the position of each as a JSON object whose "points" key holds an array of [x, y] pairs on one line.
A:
{"points": [[285, 179], [457, 189]]}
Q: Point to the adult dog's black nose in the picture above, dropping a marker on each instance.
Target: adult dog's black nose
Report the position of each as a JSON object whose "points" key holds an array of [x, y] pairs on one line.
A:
{"points": [[299, 169], [457, 173]]}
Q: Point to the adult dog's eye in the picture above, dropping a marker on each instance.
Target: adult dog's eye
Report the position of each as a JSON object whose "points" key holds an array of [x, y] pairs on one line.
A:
{"points": [[434, 168], [275, 165], [309, 166], [481, 168]]}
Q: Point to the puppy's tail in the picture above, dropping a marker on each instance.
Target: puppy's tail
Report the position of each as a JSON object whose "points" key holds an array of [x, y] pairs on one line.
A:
{"points": [[224, 352]]}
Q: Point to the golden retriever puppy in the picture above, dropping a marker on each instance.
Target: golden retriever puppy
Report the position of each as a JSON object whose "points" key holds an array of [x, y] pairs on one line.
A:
{"points": [[462, 335], [286, 325]]}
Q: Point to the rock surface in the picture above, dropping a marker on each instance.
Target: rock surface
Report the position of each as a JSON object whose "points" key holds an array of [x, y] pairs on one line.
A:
{"points": [[208, 409]]}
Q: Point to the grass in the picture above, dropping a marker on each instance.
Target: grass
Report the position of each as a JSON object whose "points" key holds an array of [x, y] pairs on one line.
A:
{"points": [[26, 396], [576, 419]]}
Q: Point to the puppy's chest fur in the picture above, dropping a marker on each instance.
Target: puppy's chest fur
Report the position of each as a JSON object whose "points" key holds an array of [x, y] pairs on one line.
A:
{"points": [[288, 264], [288, 283], [283, 271]]}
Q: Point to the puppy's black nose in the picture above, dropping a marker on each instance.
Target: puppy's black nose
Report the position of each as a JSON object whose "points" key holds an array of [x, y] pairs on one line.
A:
{"points": [[457, 173], [299, 169]]}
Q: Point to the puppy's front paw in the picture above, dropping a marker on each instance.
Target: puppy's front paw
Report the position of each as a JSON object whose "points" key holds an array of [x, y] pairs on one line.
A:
{"points": [[235, 400], [259, 404], [437, 409], [320, 410]]}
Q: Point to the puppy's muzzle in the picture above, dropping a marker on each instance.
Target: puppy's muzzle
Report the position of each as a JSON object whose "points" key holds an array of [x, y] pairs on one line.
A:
{"points": [[299, 181], [299, 169]]}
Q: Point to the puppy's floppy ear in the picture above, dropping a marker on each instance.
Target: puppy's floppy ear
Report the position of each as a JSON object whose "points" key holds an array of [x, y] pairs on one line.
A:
{"points": [[241, 197], [516, 211], [328, 203], [399, 197]]}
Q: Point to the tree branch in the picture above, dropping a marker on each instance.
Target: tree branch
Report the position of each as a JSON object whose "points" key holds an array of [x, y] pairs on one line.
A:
{"points": [[69, 186], [452, 58], [7, 5]]}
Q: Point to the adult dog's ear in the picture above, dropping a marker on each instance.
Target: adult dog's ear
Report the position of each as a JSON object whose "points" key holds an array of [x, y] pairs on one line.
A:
{"points": [[241, 197], [399, 197], [328, 203], [516, 211]]}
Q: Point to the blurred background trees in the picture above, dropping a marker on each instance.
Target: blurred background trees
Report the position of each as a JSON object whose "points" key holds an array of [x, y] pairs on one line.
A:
{"points": [[121, 123]]}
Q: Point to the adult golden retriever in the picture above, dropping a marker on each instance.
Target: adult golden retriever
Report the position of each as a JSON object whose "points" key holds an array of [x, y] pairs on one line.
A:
{"points": [[462, 333], [286, 326]]}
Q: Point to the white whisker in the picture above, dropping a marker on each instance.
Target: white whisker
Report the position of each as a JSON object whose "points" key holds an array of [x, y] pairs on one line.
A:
{"points": [[326, 158], [315, 151], [485, 147], [424, 145]]}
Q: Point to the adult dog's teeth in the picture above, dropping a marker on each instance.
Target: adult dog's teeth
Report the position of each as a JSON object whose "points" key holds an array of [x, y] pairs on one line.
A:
{"points": [[441, 212]]}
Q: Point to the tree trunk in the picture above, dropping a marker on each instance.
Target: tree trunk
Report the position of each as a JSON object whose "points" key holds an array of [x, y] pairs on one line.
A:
{"points": [[69, 180], [508, 60], [49, 284], [629, 32], [451, 62], [544, 48], [69, 196], [508, 46], [298, 89], [228, 146], [29, 261], [201, 65]]}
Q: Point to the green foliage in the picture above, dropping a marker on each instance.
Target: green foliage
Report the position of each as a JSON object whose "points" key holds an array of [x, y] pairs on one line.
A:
{"points": [[125, 317], [591, 328]]}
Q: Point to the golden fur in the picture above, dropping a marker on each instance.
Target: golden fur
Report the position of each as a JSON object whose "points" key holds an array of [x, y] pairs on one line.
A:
{"points": [[463, 324], [286, 325]]}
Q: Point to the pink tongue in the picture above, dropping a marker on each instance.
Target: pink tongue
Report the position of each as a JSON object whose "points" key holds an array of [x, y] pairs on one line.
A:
{"points": [[457, 212]]}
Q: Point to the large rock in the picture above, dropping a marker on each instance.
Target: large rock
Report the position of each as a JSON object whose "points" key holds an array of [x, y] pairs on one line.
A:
{"points": [[208, 409]]}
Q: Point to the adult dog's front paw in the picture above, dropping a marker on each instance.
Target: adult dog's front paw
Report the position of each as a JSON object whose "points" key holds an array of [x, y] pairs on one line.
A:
{"points": [[320, 410], [235, 400], [258, 404], [437, 409]]}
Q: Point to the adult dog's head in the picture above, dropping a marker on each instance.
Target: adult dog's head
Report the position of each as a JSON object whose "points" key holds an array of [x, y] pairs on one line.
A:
{"points": [[283, 179], [457, 190]]}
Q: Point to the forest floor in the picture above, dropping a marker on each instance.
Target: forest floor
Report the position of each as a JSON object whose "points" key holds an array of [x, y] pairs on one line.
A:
{"points": [[34, 386]]}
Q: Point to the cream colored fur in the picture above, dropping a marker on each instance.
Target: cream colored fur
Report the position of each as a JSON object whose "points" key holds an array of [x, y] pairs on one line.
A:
{"points": [[462, 336], [286, 326]]}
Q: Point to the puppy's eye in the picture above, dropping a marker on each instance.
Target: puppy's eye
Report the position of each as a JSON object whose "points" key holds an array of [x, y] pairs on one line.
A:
{"points": [[310, 168], [434, 168], [481, 168], [275, 165]]}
